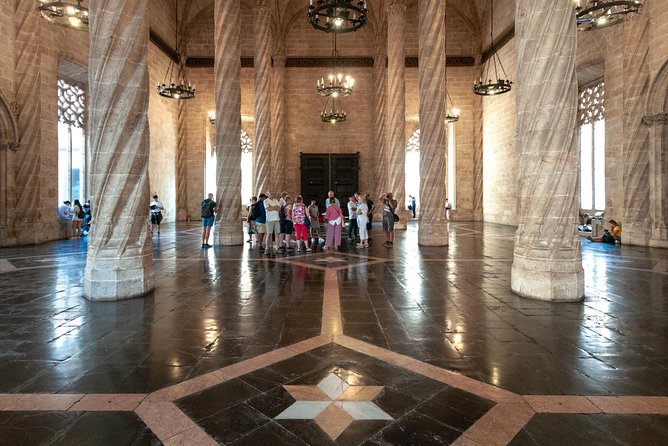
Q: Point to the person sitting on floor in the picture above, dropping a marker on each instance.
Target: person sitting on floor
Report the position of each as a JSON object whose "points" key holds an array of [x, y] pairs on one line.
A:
{"points": [[614, 235]]}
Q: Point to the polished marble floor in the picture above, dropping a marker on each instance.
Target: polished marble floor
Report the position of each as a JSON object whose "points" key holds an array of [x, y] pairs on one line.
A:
{"points": [[401, 346]]}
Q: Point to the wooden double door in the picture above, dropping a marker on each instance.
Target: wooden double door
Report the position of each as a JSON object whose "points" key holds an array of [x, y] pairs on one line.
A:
{"points": [[321, 173]]}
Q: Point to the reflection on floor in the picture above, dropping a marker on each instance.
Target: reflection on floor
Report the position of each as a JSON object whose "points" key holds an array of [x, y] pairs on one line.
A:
{"points": [[377, 346]]}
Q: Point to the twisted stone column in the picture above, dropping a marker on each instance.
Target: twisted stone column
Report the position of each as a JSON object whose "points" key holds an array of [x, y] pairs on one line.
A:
{"points": [[119, 262], [228, 122], [380, 123], [262, 156], [278, 151], [547, 262], [636, 151], [181, 163], [28, 89], [433, 230], [396, 107], [478, 196]]}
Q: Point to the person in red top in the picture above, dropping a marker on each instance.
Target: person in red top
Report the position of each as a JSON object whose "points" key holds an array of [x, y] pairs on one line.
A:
{"points": [[299, 217]]}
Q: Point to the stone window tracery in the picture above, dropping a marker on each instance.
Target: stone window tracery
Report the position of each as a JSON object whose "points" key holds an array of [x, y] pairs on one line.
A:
{"points": [[414, 142], [246, 143], [71, 100], [592, 104]]}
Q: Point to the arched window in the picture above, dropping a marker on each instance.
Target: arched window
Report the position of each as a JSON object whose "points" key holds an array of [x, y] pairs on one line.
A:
{"points": [[246, 168], [71, 142], [413, 166], [592, 147]]}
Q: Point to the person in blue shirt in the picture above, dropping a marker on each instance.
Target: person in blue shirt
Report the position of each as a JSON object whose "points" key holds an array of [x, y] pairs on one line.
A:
{"points": [[261, 221]]}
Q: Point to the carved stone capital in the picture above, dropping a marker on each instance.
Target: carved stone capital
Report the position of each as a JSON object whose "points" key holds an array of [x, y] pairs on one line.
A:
{"points": [[658, 119]]}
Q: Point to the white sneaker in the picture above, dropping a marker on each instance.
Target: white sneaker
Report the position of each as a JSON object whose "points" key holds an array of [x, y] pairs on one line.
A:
{"points": [[360, 245], [299, 250], [308, 249]]}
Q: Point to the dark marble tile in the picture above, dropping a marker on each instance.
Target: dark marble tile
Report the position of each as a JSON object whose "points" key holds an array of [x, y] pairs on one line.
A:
{"points": [[417, 429], [233, 423], [216, 399]]}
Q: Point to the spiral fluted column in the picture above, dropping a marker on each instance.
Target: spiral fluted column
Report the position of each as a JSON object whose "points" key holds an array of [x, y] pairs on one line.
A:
{"points": [[278, 150], [227, 75], [396, 107], [119, 264], [181, 163], [262, 156], [478, 214], [636, 150], [547, 263], [380, 123], [28, 88], [433, 230]]}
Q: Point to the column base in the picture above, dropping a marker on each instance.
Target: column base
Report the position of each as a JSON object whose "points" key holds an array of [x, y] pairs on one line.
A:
{"points": [[547, 279], [433, 233], [229, 234], [110, 279]]}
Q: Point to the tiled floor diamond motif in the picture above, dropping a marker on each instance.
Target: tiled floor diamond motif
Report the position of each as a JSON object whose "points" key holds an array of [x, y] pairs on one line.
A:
{"points": [[333, 404]]}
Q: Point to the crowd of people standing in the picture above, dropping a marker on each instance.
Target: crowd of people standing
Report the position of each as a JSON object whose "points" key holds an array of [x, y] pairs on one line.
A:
{"points": [[76, 217]]}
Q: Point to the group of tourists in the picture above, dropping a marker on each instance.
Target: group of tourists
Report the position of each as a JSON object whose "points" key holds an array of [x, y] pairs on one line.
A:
{"points": [[272, 221], [76, 218]]}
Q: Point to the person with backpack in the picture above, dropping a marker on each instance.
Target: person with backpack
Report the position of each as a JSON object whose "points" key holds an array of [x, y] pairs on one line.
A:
{"points": [[208, 207], [250, 219], [260, 215], [156, 213], [78, 216]]}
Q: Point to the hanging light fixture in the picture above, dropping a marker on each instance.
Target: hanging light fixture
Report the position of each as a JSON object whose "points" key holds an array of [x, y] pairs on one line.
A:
{"points": [[487, 86], [184, 89], [451, 113], [335, 84], [601, 14], [70, 15], [334, 113], [337, 16]]}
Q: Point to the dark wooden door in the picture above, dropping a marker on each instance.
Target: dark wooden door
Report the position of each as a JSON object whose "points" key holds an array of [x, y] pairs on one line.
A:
{"points": [[321, 173]]}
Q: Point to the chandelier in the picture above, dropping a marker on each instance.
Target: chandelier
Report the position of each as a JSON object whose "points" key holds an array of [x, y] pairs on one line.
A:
{"points": [[334, 113], [487, 86], [336, 84], [600, 14], [183, 89], [68, 14], [451, 113], [337, 16]]}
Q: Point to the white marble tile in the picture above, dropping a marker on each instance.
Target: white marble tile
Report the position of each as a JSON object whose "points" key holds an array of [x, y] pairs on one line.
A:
{"points": [[363, 410], [333, 386], [303, 410]]}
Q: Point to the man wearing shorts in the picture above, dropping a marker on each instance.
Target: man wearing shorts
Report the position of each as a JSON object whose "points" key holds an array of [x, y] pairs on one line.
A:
{"points": [[272, 206], [261, 222], [208, 207]]}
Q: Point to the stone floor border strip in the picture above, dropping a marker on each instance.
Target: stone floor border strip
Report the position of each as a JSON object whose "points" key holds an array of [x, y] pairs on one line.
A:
{"points": [[561, 404], [171, 425], [497, 427], [332, 323], [41, 402], [108, 402], [631, 404], [436, 373]]}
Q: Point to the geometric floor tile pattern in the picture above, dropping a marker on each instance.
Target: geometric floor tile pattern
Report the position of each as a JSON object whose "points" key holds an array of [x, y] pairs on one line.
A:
{"points": [[411, 345]]}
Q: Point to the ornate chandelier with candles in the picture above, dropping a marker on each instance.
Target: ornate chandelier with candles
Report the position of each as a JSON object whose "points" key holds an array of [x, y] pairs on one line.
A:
{"points": [[601, 14], [67, 14], [487, 86], [335, 84], [333, 111], [337, 16], [169, 89]]}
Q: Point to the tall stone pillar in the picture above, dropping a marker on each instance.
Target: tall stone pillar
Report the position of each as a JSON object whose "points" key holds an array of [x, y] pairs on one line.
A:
{"points": [[396, 107], [262, 156], [181, 163], [433, 230], [478, 185], [27, 158], [380, 113], [227, 75], [119, 262], [278, 150], [547, 263], [636, 180]]}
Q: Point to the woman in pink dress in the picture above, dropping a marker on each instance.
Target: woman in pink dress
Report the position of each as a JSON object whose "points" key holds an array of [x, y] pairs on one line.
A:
{"points": [[334, 218]]}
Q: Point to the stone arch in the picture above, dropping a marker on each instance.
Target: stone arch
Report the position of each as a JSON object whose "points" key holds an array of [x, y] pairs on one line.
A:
{"points": [[9, 142], [656, 117]]}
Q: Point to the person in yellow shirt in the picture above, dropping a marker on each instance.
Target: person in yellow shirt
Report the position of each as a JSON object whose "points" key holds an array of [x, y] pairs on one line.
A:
{"points": [[613, 235]]}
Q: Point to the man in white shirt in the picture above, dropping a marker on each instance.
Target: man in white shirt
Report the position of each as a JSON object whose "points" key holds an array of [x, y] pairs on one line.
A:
{"points": [[272, 206], [65, 214], [156, 213], [353, 230], [330, 194]]}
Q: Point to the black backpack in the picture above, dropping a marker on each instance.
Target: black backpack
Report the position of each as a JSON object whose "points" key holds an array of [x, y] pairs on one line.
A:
{"points": [[207, 210], [282, 214], [255, 210]]}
